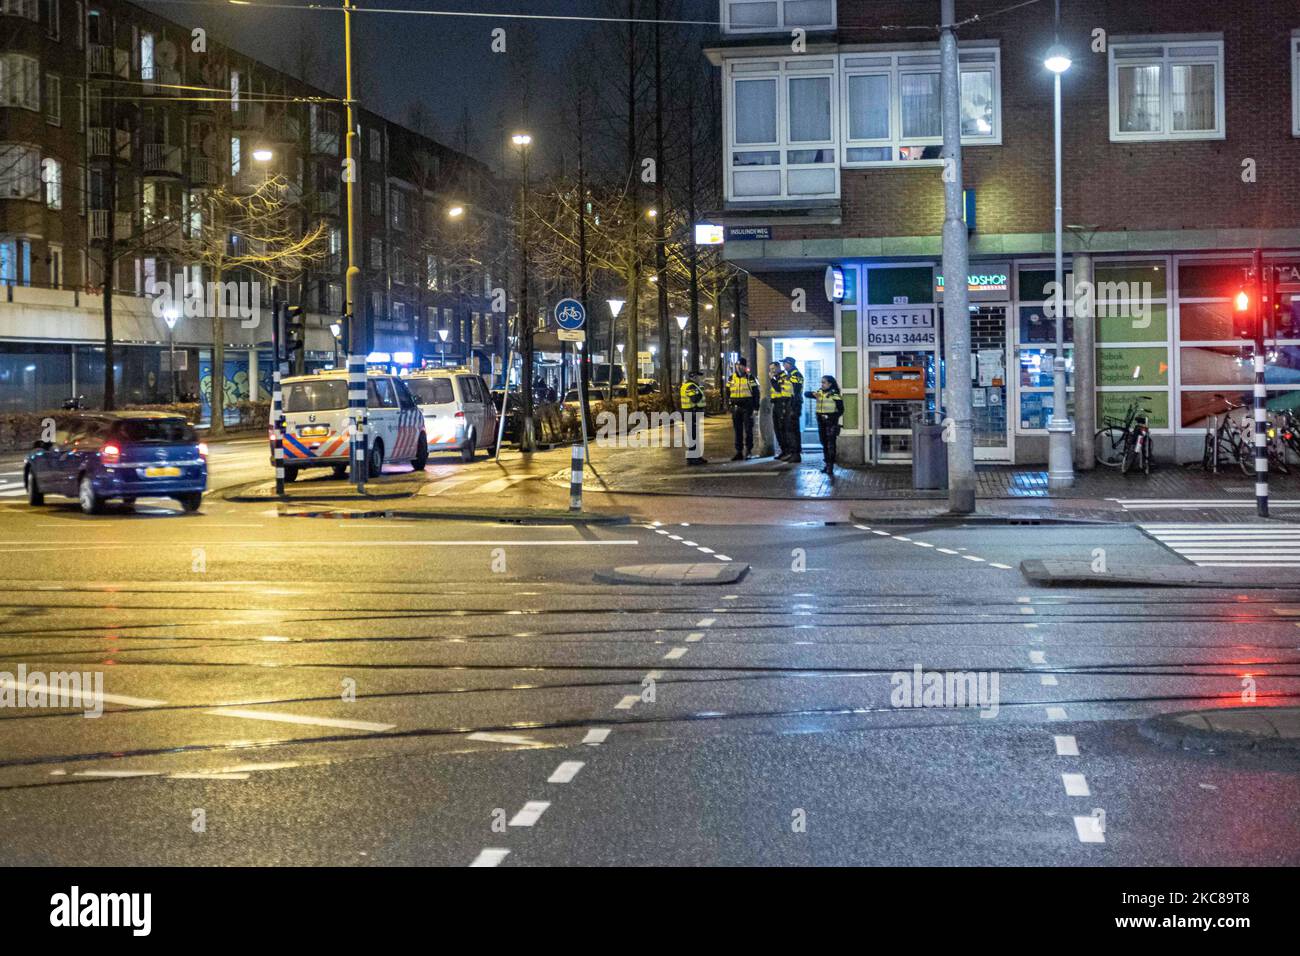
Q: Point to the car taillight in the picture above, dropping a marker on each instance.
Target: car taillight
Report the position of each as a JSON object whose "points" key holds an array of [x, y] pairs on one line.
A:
{"points": [[460, 414], [111, 454], [203, 449]]}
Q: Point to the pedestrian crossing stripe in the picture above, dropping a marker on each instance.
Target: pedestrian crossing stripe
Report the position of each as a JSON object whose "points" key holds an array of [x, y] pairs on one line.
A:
{"points": [[1230, 545]]}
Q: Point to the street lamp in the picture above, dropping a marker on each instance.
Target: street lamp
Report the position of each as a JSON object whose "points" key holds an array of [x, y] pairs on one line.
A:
{"points": [[442, 349], [527, 441], [455, 212], [171, 316], [262, 154], [615, 307], [336, 331], [1060, 459], [681, 327]]}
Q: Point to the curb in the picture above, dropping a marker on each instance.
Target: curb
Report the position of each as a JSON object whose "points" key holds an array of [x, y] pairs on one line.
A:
{"points": [[1057, 573], [1177, 731], [956, 520], [497, 515], [674, 575]]}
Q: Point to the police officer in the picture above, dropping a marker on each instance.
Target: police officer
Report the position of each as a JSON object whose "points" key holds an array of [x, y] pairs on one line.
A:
{"points": [[692, 396], [781, 398], [830, 409], [794, 410], [742, 388]]}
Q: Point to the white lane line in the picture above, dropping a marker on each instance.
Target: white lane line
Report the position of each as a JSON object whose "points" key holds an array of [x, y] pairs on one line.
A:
{"points": [[922, 544], [495, 738], [883, 534], [199, 775], [441, 487], [83, 695], [971, 557], [945, 550], [691, 544], [627, 702], [124, 774], [899, 537], [333, 545], [1027, 610], [722, 557], [705, 622], [1023, 600], [283, 718], [596, 736], [1038, 657], [699, 636], [1075, 785], [532, 812], [674, 537], [1056, 713], [704, 549], [1048, 680], [565, 772], [676, 653], [1004, 567], [492, 856], [1089, 830], [1066, 745]]}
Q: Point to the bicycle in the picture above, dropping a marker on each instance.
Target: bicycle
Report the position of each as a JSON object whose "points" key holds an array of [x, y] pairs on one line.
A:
{"points": [[1126, 444], [1288, 433], [1225, 441]]}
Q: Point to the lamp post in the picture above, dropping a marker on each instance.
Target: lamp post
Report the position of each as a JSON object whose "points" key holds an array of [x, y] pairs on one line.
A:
{"points": [[336, 331], [1060, 459], [442, 347], [615, 307], [681, 327], [527, 437], [170, 317]]}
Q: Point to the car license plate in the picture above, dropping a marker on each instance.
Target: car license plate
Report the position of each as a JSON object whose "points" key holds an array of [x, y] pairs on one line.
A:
{"points": [[162, 471], [317, 432]]}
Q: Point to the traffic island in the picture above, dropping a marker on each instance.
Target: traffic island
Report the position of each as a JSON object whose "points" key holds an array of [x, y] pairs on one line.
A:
{"points": [[1060, 573], [388, 488], [674, 575], [1255, 729], [497, 515]]}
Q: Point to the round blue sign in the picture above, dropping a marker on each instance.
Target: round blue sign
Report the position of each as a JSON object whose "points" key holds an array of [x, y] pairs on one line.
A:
{"points": [[570, 315]]}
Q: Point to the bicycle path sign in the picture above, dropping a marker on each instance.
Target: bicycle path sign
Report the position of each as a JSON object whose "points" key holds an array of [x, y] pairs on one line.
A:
{"points": [[570, 315]]}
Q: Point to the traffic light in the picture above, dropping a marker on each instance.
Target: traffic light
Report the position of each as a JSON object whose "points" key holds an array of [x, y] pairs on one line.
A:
{"points": [[295, 337]]}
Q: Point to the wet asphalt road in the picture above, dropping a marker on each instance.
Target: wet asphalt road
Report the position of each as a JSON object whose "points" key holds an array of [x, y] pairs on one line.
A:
{"points": [[509, 710]]}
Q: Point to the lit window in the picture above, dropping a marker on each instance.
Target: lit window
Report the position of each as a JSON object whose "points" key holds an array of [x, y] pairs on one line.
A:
{"points": [[1166, 90], [19, 81], [52, 177], [20, 172], [53, 100]]}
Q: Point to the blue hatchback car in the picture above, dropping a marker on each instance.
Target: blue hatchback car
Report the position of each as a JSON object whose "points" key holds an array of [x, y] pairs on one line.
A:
{"points": [[124, 455]]}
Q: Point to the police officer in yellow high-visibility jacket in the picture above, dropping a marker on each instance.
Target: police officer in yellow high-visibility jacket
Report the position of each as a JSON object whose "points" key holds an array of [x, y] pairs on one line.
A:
{"points": [[742, 389], [692, 397], [794, 408], [830, 409], [782, 396]]}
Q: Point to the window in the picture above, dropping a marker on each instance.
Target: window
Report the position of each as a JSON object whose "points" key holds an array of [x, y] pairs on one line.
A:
{"points": [[56, 266], [51, 18], [431, 270], [52, 177], [892, 105], [782, 129], [19, 81], [399, 267], [397, 208], [376, 198], [376, 145], [19, 8], [376, 253], [399, 312], [20, 172], [234, 91], [752, 16], [79, 36], [1295, 83], [148, 70], [53, 100], [81, 107], [234, 156], [1166, 90], [376, 304]]}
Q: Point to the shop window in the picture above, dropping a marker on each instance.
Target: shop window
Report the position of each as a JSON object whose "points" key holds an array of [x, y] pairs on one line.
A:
{"points": [[1116, 405], [1133, 367], [1166, 90]]}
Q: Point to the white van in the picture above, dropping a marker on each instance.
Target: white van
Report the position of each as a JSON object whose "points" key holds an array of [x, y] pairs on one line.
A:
{"points": [[318, 432], [457, 408]]}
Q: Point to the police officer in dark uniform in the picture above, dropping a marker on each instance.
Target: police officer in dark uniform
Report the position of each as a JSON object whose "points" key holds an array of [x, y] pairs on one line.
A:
{"points": [[794, 411]]}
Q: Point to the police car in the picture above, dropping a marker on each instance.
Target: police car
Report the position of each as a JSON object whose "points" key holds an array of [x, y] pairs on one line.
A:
{"points": [[318, 426], [459, 414]]}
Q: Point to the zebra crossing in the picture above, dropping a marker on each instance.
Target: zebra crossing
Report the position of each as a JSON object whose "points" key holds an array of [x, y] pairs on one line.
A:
{"points": [[11, 484], [453, 482], [1230, 545]]}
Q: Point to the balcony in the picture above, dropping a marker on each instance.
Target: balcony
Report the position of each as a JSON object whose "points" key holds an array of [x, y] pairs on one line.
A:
{"points": [[204, 171], [98, 219], [162, 234], [249, 116], [160, 81], [104, 60], [98, 139], [162, 159]]}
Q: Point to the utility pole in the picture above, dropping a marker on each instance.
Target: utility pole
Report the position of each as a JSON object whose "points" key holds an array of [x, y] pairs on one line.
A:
{"points": [[666, 363], [527, 437], [355, 330], [956, 293]]}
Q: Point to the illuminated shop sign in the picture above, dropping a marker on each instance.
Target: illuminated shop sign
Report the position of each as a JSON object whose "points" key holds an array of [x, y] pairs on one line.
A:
{"points": [[999, 281]]}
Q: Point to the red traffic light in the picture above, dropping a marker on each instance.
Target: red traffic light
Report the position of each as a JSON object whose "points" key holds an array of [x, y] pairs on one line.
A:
{"points": [[1242, 301]]}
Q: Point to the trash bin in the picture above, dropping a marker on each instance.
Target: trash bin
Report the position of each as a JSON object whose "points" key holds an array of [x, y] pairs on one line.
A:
{"points": [[929, 456]]}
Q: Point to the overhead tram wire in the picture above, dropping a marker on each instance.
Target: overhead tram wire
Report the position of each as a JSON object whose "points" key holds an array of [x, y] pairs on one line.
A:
{"points": [[411, 11]]}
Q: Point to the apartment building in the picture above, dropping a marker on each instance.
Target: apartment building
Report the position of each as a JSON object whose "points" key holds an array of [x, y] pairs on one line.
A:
{"points": [[115, 124], [1181, 133]]}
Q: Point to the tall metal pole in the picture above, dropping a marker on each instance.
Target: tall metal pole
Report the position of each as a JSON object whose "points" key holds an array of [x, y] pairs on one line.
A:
{"points": [[1263, 287], [1060, 430], [527, 436], [355, 331], [956, 292]]}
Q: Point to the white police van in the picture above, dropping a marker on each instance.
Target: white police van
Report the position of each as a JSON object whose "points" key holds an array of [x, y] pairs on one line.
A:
{"points": [[318, 426], [458, 411]]}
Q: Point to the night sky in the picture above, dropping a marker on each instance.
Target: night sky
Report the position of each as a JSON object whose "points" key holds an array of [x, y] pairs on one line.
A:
{"points": [[444, 62]]}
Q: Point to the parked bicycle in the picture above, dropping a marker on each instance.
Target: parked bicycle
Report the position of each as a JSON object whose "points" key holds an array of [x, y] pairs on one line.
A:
{"points": [[1126, 444], [1225, 442], [1288, 432]]}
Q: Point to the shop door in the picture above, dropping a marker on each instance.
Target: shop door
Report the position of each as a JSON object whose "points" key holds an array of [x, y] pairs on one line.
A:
{"points": [[990, 361]]}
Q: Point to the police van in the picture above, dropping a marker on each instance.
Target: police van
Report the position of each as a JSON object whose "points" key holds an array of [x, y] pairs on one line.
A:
{"points": [[459, 414], [318, 427]]}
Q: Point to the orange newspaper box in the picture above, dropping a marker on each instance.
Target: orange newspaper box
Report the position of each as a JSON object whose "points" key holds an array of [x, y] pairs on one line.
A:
{"points": [[897, 385]]}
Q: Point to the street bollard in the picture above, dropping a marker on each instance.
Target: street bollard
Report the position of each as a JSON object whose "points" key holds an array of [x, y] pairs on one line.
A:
{"points": [[277, 431], [357, 411], [575, 479]]}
